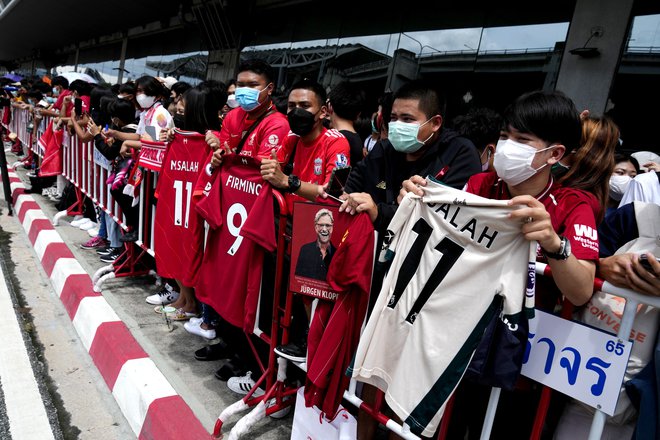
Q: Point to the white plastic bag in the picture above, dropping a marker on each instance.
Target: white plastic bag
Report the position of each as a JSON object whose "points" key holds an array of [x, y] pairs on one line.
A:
{"points": [[309, 424]]}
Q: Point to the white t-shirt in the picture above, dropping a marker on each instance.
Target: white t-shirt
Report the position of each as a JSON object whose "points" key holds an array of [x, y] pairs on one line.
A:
{"points": [[369, 143], [157, 117], [643, 188], [452, 252]]}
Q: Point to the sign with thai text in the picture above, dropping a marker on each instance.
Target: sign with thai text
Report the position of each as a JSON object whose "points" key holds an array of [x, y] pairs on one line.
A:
{"points": [[579, 361]]}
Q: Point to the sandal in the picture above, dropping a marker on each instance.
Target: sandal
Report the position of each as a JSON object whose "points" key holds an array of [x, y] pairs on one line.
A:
{"points": [[181, 315], [167, 309]]}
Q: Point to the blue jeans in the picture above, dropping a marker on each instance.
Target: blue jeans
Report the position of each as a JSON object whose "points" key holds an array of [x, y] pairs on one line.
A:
{"points": [[209, 316], [103, 230]]}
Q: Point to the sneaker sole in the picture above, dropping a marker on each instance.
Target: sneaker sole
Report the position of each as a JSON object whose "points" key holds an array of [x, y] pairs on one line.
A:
{"points": [[289, 357]]}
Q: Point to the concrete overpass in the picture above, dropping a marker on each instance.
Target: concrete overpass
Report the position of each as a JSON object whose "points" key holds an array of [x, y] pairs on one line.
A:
{"points": [[36, 33]]}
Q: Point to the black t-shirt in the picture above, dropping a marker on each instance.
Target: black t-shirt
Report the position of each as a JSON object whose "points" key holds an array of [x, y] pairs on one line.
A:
{"points": [[355, 142]]}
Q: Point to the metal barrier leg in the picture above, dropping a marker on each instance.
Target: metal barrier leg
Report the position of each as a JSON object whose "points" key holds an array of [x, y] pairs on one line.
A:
{"points": [[490, 413], [597, 425]]}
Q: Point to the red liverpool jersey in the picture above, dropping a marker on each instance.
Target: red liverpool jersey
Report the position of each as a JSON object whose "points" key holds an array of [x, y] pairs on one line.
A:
{"points": [[313, 163], [335, 329], [238, 206], [269, 134], [178, 229]]}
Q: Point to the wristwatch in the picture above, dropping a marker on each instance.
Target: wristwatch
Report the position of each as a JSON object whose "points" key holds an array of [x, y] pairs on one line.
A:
{"points": [[294, 183], [564, 250]]}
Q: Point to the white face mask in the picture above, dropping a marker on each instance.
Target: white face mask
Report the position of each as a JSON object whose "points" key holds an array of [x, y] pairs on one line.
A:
{"points": [[145, 101], [231, 101], [513, 161], [618, 185]]}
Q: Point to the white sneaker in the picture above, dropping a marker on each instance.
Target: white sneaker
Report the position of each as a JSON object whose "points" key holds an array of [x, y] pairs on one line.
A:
{"points": [[243, 385], [88, 225], [195, 321], [281, 413], [196, 329], [78, 222], [164, 297], [93, 232]]}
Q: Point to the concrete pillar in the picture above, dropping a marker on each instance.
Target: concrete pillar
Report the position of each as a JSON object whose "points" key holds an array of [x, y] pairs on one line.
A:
{"points": [[588, 79], [122, 60], [222, 64], [401, 70]]}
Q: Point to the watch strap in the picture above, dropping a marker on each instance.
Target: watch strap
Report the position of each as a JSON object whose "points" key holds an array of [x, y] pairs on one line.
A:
{"points": [[563, 253]]}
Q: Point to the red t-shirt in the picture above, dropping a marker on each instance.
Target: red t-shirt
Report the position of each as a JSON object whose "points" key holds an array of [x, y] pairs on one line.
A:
{"points": [[267, 135], [178, 228], [60, 99], [238, 206], [313, 163], [335, 329], [572, 216]]}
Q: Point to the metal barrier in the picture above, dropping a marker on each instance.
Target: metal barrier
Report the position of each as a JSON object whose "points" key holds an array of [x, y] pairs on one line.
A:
{"points": [[88, 171]]}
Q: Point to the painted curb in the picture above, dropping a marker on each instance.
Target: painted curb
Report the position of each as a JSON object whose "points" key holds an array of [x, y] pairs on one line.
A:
{"points": [[150, 404]]}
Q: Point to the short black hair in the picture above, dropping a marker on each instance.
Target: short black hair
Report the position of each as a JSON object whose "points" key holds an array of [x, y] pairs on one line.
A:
{"points": [[122, 109], [151, 87], [549, 115], [42, 87], [128, 88], [180, 87], [481, 125], [312, 86], [625, 157], [60, 81], [347, 99], [82, 87], [431, 101], [258, 66]]}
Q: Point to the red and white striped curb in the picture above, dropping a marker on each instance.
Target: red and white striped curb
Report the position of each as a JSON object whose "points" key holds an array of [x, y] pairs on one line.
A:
{"points": [[152, 407]]}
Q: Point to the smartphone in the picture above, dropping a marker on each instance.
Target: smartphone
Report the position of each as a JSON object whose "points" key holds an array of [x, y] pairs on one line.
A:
{"points": [[643, 260], [77, 106], [338, 180], [151, 131]]}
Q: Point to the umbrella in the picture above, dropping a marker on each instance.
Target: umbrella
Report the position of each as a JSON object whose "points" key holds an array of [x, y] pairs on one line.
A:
{"points": [[13, 77], [72, 76]]}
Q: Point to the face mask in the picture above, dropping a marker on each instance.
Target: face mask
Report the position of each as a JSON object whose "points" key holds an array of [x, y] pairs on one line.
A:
{"points": [[145, 101], [403, 136], [231, 101], [618, 186], [178, 121], [485, 165], [301, 121], [559, 169], [248, 98], [50, 100], [513, 161], [55, 91]]}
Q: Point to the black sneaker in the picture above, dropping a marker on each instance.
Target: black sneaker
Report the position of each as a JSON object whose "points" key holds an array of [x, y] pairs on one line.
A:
{"points": [[104, 251], [129, 236], [112, 256], [293, 351]]}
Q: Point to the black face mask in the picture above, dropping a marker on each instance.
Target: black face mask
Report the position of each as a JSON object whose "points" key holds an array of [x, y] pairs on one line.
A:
{"points": [[179, 121], [301, 121]]}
